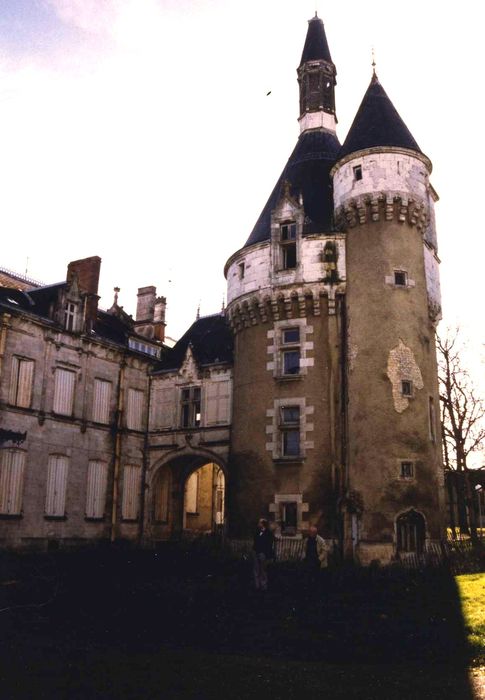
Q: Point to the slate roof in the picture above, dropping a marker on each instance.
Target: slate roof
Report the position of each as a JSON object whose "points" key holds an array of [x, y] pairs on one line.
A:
{"points": [[211, 341], [308, 172], [377, 123], [316, 45]]}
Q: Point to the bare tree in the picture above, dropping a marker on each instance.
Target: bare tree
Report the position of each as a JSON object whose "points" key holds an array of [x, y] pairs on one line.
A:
{"points": [[463, 425]]}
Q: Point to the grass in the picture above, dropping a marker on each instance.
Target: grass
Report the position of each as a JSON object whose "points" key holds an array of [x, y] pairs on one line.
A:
{"points": [[187, 626], [472, 595]]}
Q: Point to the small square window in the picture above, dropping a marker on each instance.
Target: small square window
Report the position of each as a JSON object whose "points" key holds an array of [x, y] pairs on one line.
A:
{"points": [[407, 470], [357, 172], [291, 335], [288, 232], [406, 388], [400, 278]]}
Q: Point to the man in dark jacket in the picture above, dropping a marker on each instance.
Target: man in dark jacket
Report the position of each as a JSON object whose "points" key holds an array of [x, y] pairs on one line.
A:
{"points": [[263, 550]]}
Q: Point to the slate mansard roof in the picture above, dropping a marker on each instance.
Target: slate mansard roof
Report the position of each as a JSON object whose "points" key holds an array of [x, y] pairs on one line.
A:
{"points": [[308, 172], [211, 342], [377, 123]]}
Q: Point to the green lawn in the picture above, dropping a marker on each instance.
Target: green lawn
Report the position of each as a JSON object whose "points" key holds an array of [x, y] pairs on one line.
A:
{"points": [[472, 594]]}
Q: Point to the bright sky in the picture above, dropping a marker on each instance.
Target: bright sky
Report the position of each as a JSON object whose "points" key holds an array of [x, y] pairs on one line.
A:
{"points": [[140, 131]]}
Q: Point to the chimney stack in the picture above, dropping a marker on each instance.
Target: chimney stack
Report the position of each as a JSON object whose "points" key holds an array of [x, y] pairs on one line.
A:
{"points": [[86, 271]]}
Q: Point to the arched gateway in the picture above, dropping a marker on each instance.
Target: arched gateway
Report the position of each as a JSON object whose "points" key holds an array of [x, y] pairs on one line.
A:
{"points": [[187, 494]]}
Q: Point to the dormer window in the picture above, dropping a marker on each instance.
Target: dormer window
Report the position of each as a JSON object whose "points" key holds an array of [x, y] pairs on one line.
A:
{"points": [[70, 312], [288, 246], [357, 172]]}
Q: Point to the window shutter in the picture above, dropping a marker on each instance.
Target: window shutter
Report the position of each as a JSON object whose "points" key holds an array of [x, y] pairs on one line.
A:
{"points": [[21, 382], [55, 503], [101, 400], [96, 489], [162, 408], [64, 392], [11, 482], [131, 492], [134, 409], [217, 403]]}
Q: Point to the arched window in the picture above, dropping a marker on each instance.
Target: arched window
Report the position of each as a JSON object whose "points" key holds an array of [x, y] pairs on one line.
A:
{"points": [[411, 532]]}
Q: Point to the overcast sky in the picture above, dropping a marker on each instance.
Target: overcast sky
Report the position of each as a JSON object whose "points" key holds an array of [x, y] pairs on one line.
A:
{"points": [[141, 131]]}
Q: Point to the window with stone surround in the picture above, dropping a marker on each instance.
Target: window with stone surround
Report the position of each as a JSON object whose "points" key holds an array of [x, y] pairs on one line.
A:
{"points": [[290, 351], [407, 388], [289, 518], [70, 314], [190, 407], [12, 467], [21, 382], [288, 246], [55, 501], [290, 431], [97, 483]]}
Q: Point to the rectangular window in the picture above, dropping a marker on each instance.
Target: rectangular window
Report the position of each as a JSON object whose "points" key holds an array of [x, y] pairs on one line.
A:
{"points": [[290, 354], [55, 502], [406, 388], [70, 316], [289, 518], [190, 415], [11, 481], [192, 493], [101, 400], [400, 278], [130, 507], [241, 270], [134, 409], [357, 172], [290, 431], [288, 246], [64, 382], [96, 489], [21, 382], [407, 470]]}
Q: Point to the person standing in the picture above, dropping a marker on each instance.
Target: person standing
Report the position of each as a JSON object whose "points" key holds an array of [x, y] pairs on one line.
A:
{"points": [[263, 551], [316, 552]]}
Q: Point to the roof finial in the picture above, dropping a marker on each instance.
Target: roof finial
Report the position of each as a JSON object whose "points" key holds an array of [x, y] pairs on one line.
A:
{"points": [[197, 315], [116, 290], [374, 75], [223, 303]]}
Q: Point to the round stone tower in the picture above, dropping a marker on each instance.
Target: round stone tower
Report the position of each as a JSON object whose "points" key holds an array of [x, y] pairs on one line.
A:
{"points": [[284, 298], [384, 203]]}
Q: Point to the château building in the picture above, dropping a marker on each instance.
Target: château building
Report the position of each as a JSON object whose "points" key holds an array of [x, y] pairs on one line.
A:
{"points": [[313, 398]]}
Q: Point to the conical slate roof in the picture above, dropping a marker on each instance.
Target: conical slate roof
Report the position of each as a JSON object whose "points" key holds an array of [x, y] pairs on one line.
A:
{"points": [[308, 172], [316, 46], [377, 123]]}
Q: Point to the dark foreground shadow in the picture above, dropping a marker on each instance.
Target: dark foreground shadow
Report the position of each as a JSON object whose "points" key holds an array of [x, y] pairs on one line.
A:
{"points": [[186, 624]]}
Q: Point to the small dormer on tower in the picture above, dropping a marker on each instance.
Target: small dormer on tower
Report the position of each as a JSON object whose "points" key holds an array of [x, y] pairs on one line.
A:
{"points": [[317, 77]]}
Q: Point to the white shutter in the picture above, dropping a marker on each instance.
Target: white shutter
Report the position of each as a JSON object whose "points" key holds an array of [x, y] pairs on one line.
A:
{"points": [[96, 489], [55, 502], [217, 403], [21, 382], [131, 492], [191, 493], [64, 392], [101, 401], [134, 409], [161, 496], [163, 406], [11, 482]]}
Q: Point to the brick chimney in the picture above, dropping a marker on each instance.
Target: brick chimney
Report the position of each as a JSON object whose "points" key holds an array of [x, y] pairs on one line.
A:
{"points": [[86, 271]]}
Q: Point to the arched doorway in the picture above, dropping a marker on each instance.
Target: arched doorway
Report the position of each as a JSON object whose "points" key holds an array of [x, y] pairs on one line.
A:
{"points": [[187, 494], [411, 532], [204, 499]]}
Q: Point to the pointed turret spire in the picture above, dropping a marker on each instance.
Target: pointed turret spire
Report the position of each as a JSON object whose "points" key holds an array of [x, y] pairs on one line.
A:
{"points": [[377, 123], [317, 79]]}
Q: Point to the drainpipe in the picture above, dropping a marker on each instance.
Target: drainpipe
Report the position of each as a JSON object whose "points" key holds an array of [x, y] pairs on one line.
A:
{"points": [[118, 425], [3, 337], [146, 460]]}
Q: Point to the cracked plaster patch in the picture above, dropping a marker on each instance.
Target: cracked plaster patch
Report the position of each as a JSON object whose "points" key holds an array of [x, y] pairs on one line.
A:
{"points": [[401, 365]]}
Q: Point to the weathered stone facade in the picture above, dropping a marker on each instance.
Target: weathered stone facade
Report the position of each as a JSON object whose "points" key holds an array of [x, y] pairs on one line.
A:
{"points": [[311, 399]]}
